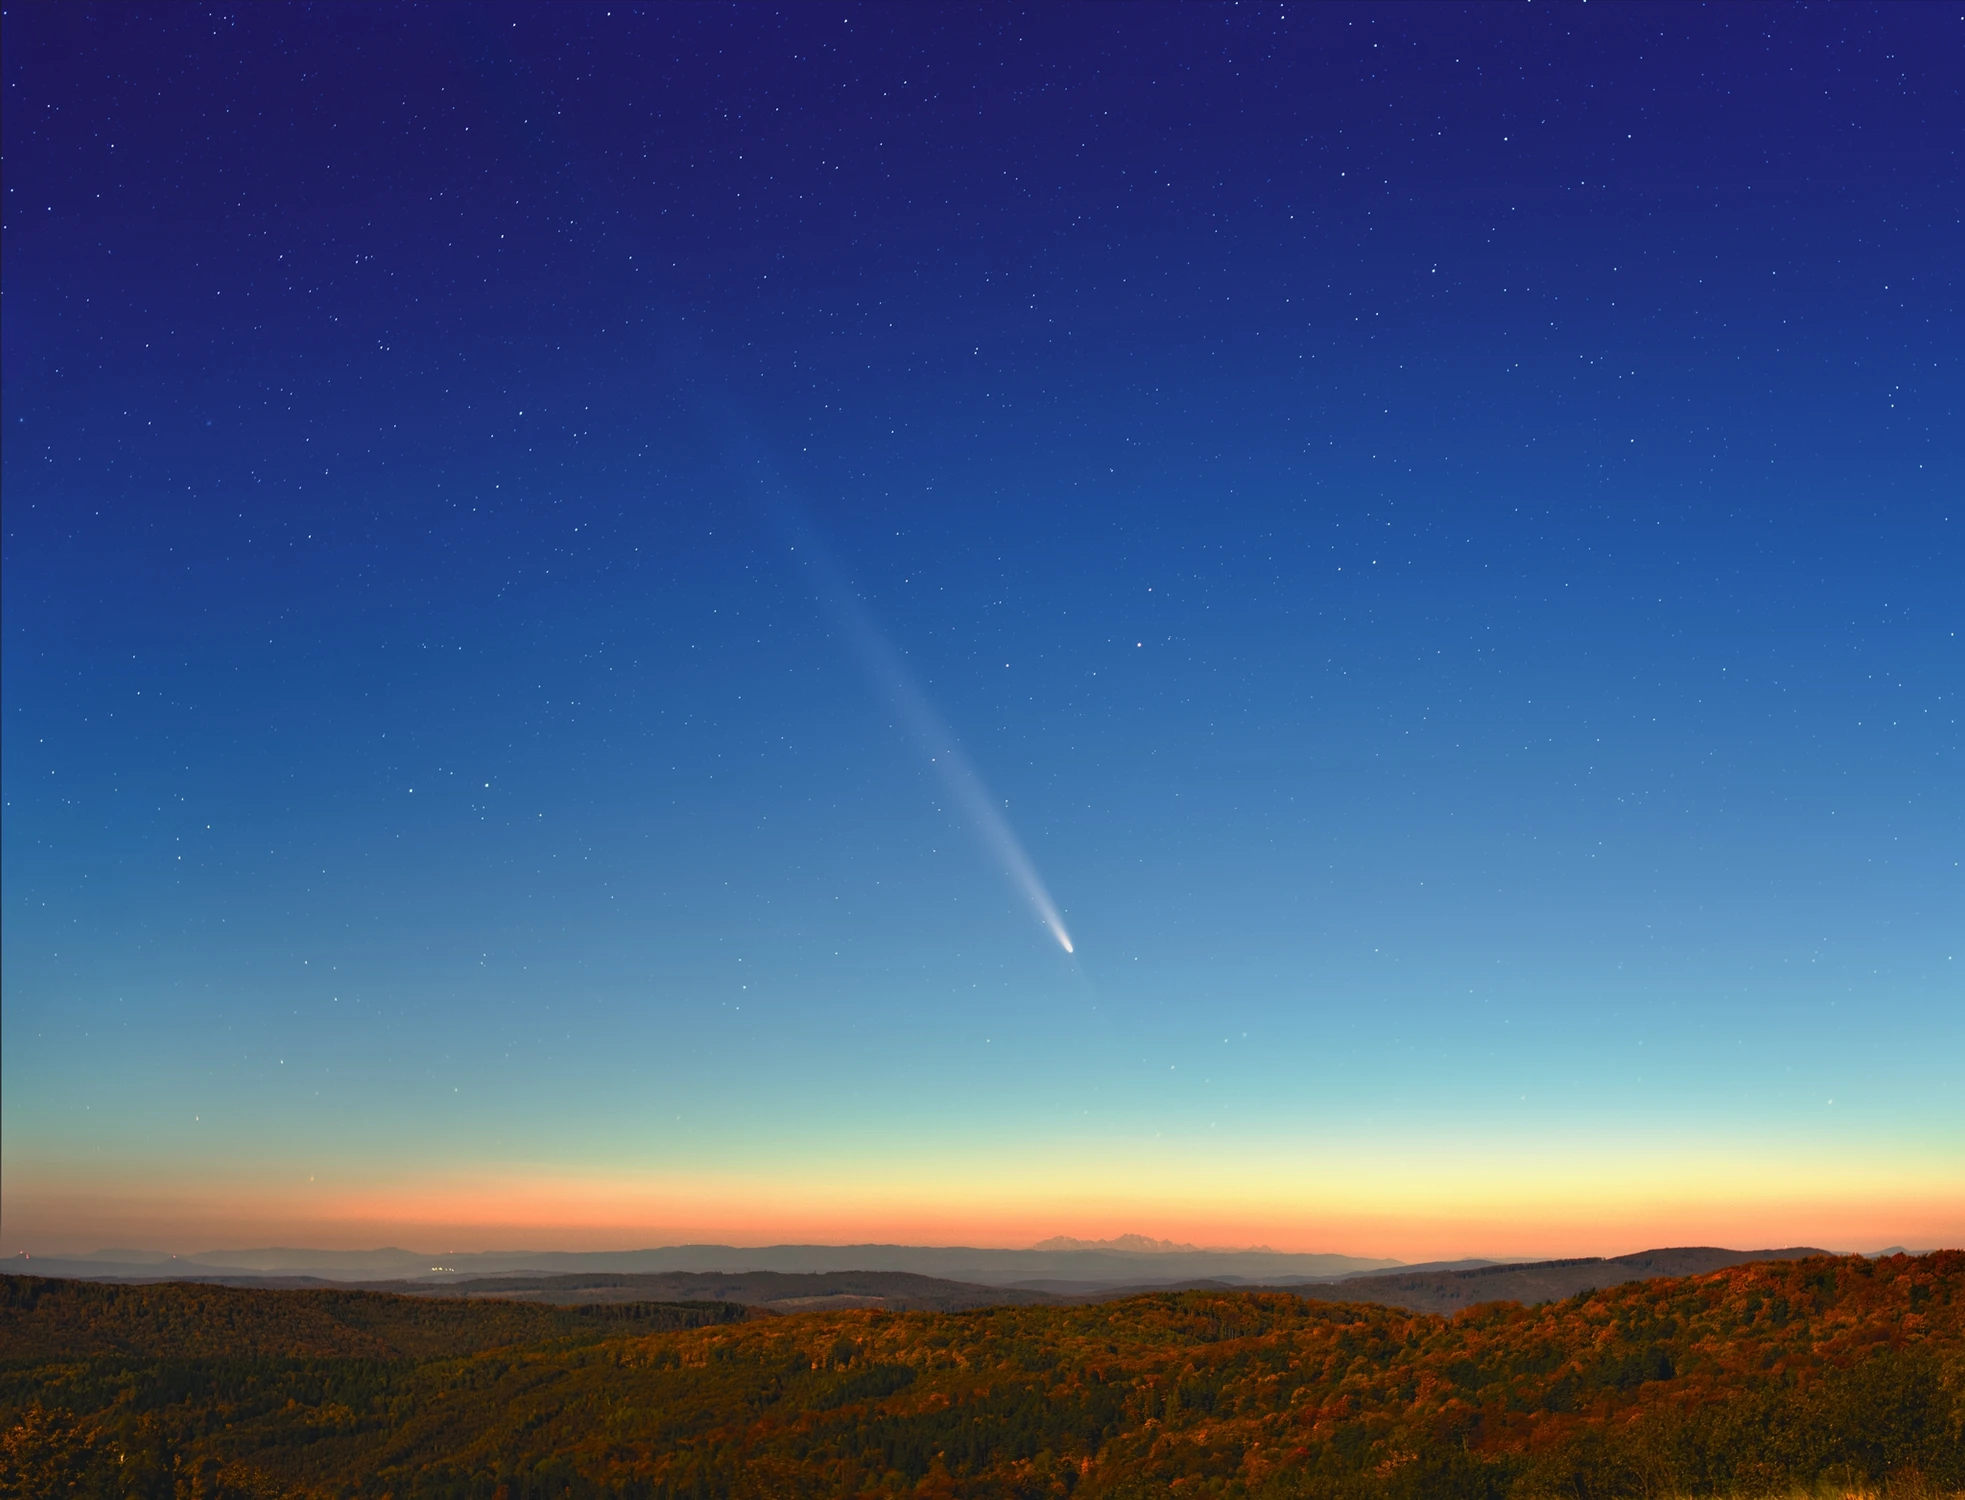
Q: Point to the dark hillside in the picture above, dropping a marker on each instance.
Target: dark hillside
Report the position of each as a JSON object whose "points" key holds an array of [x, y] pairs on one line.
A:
{"points": [[777, 1290], [1747, 1381], [1536, 1282], [51, 1320]]}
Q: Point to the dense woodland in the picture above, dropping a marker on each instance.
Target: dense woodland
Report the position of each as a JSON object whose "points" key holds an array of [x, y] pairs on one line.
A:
{"points": [[1748, 1381]]}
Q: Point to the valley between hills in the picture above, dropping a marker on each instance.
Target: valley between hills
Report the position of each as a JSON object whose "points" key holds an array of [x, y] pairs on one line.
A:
{"points": [[1779, 1374]]}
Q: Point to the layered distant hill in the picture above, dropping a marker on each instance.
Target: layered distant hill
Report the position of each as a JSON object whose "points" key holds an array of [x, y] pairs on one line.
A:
{"points": [[1444, 1289], [1447, 1289], [773, 1291], [1085, 1265]]}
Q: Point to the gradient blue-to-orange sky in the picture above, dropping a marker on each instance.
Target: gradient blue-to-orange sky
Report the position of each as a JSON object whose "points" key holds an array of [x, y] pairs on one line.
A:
{"points": [[1433, 533]]}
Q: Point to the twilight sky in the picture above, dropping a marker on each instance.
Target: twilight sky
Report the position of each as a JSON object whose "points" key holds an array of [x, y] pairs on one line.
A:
{"points": [[1436, 532]]}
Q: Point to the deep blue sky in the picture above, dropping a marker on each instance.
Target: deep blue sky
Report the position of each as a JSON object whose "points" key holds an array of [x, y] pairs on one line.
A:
{"points": [[1440, 525]]}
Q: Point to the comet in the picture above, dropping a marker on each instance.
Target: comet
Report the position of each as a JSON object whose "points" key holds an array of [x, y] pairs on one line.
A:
{"points": [[882, 663], [889, 674]]}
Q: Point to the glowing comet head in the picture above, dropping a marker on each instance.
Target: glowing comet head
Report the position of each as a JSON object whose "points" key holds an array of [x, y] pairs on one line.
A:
{"points": [[1067, 943]]}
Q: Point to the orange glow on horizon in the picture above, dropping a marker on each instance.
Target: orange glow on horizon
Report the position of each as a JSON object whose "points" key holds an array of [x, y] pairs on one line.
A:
{"points": [[542, 1211]]}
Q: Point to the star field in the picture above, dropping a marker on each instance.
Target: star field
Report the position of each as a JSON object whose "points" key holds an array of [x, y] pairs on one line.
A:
{"points": [[1436, 528]]}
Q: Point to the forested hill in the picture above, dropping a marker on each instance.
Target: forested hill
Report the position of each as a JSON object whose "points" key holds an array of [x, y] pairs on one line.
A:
{"points": [[42, 1319], [1536, 1281], [777, 1291], [1743, 1381]]}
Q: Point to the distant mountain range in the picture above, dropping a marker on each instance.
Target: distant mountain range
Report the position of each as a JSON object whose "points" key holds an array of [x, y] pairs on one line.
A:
{"points": [[1079, 1266], [771, 1291], [1442, 1288], [1447, 1289], [939, 1277], [1139, 1244]]}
